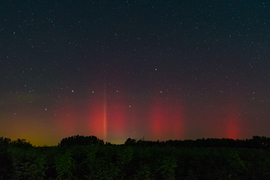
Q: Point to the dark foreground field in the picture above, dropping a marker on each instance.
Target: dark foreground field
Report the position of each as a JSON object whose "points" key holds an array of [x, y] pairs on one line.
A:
{"points": [[134, 160], [122, 162]]}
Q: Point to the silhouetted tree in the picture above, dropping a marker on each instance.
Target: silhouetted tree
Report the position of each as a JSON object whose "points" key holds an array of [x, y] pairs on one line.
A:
{"points": [[130, 141], [6, 163], [21, 143], [260, 142], [80, 140], [4, 141]]}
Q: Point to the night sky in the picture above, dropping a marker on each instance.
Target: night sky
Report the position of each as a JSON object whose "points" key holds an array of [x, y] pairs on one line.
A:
{"points": [[152, 69]]}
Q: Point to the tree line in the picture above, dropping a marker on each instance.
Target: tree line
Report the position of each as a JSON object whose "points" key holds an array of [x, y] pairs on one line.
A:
{"points": [[260, 142]]}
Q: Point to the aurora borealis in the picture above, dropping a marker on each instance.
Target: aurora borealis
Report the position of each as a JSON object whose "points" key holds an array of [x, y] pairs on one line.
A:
{"points": [[156, 70]]}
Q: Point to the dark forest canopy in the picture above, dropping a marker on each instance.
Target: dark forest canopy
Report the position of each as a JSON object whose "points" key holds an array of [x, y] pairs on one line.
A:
{"points": [[255, 142], [18, 143], [80, 140]]}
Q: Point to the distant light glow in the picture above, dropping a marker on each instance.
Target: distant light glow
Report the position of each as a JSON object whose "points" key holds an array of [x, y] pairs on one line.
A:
{"points": [[177, 121], [232, 126], [105, 116], [166, 119], [96, 118], [65, 119]]}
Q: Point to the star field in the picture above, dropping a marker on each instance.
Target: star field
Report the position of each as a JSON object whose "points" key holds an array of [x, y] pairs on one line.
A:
{"points": [[139, 69]]}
